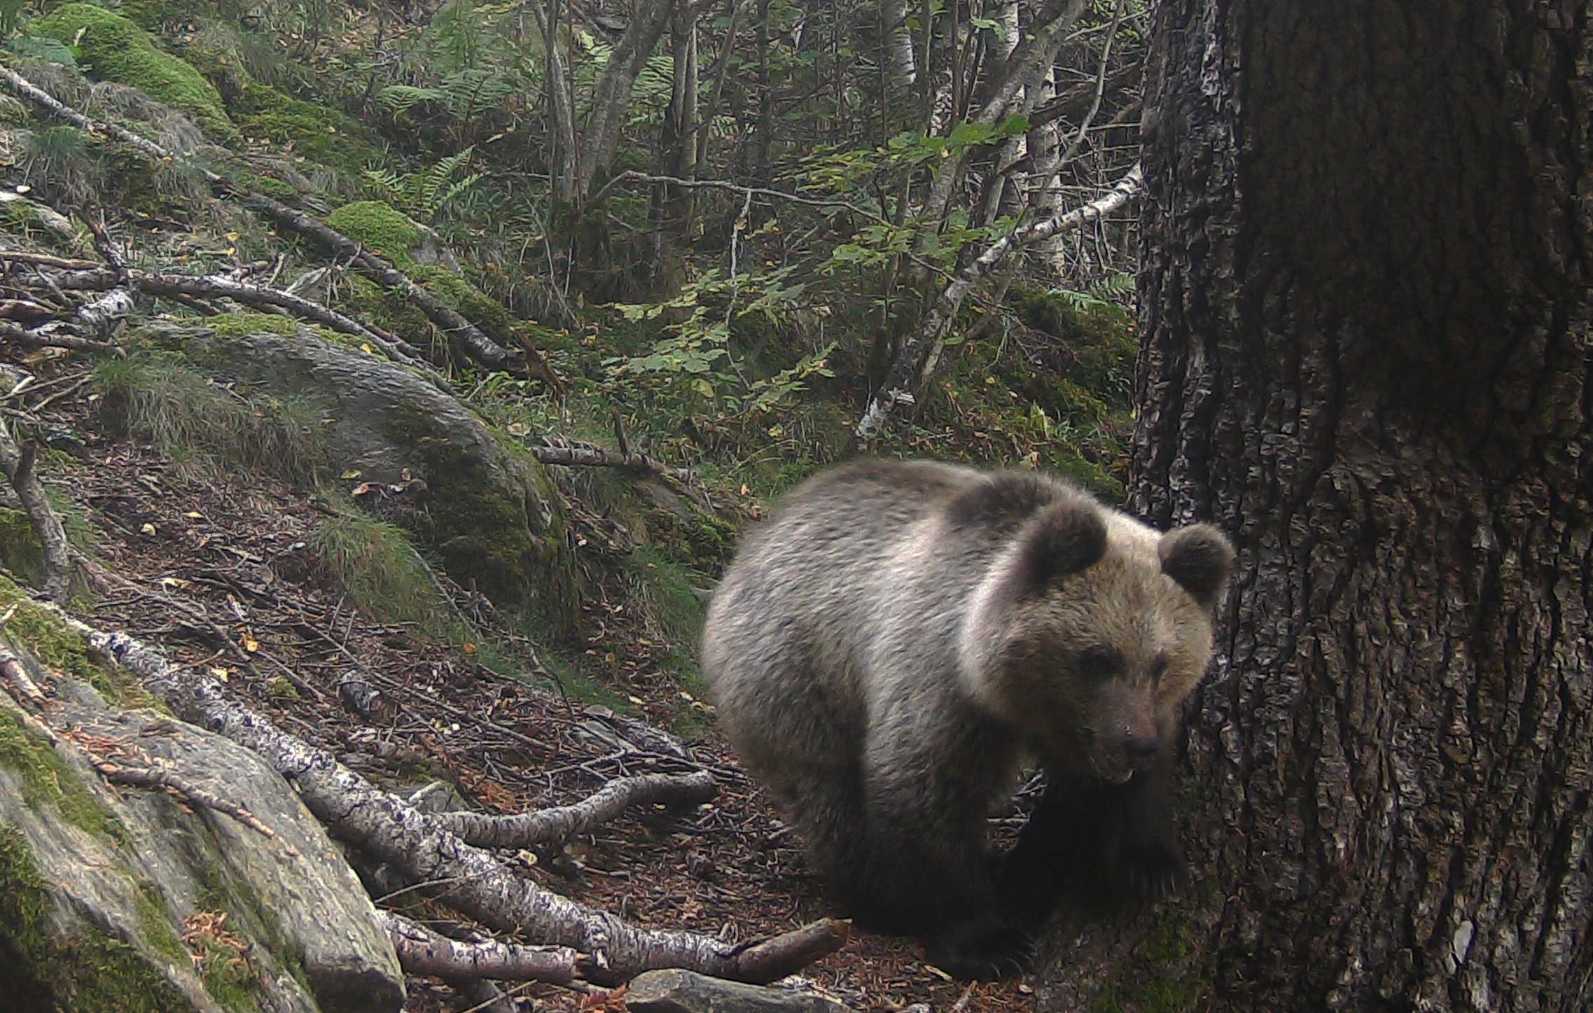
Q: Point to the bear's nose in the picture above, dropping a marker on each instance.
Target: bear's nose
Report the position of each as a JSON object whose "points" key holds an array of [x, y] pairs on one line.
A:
{"points": [[1142, 749]]}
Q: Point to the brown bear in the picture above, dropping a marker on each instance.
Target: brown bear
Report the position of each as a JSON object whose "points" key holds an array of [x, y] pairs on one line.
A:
{"points": [[899, 637]]}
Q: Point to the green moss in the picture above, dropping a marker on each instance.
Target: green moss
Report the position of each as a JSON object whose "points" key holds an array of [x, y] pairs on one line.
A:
{"points": [[236, 324], [363, 299], [58, 647], [20, 549], [316, 132], [378, 226], [116, 49], [1160, 976], [228, 976], [155, 928], [88, 971], [466, 299], [502, 533], [47, 780], [278, 687]]}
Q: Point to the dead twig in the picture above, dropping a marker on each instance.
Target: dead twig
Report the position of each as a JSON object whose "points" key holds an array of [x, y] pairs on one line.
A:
{"points": [[12, 332], [159, 778]]}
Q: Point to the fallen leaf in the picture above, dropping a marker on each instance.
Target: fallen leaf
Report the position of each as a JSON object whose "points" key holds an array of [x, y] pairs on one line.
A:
{"points": [[250, 644], [148, 529]]}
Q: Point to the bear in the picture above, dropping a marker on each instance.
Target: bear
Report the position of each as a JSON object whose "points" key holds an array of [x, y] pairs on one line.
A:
{"points": [[888, 649]]}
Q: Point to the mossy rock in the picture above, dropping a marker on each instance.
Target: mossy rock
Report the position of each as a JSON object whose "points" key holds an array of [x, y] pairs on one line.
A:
{"points": [[95, 883], [414, 250], [489, 513], [318, 133], [114, 48], [381, 227]]}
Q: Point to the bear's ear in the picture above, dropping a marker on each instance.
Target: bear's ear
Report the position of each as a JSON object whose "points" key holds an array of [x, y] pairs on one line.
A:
{"points": [[1198, 557], [1066, 537]]}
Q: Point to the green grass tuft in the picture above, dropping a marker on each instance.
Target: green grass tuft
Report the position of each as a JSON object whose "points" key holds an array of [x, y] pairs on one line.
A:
{"points": [[374, 562], [192, 419]]}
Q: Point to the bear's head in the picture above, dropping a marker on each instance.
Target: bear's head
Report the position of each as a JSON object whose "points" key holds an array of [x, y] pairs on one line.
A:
{"points": [[1090, 629]]}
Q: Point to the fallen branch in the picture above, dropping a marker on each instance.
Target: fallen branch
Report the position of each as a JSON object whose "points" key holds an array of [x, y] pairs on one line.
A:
{"points": [[249, 295], [17, 462], [161, 779], [47, 260], [422, 951], [549, 825], [482, 886], [490, 353], [17, 676], [905, 375], [32, 339], [599, 458]]}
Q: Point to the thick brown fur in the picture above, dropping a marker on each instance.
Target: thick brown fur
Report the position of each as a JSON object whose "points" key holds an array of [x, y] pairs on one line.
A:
{"points": [[891, 645]]}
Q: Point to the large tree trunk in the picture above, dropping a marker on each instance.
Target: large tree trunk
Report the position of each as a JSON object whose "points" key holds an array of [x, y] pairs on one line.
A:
{"points": [[1366, 304]]}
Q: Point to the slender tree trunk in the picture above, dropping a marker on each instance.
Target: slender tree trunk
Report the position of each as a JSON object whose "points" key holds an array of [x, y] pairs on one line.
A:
{"points": [[560, 112], [1366, 299], [612, 94], [897, 45]]}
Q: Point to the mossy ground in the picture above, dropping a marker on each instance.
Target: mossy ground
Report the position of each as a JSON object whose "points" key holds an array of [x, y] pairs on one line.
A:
{"points": [[1160, 979], [114, 48], [47, 780], [63, 650], [315, 132]]}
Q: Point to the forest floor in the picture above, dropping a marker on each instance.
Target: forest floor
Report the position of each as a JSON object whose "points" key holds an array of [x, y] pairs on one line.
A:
{"points": [[201, 563]]}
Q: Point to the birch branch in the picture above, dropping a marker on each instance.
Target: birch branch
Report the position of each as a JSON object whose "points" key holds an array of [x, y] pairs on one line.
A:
{"points": [[546, 826], [40, 339], [249, 295], [481, 885], [597, 457], [422, 951], [904, 376]]}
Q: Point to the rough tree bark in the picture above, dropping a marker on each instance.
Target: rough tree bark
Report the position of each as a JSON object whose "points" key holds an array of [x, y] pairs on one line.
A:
{"points": [[1366, 296]]}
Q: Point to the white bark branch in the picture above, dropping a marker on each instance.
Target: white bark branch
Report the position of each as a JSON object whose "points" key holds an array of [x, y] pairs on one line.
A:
{"points": [[422, 951], [549, 825], [481, 886], [904, 376]]}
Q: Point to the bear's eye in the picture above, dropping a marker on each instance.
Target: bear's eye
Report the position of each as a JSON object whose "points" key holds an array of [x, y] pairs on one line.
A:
{"points": [[1100, 661]]}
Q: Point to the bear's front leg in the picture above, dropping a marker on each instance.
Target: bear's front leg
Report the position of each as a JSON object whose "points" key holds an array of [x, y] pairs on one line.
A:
{"points": [[928, 874], [1103, 843]]}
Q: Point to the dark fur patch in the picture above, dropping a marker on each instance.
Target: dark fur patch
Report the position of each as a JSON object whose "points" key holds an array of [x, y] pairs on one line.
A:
{"points": [[1198, 557], [1068, 537], [1001, 501]]}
